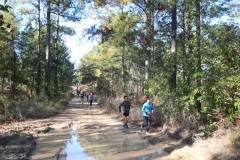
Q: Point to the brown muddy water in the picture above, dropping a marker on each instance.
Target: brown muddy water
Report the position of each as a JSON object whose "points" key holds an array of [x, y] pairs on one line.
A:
{"points": [[94, 135], [91, 144]]}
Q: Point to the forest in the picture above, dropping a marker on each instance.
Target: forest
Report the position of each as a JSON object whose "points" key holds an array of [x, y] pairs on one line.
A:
{"points": [[183, 53]]}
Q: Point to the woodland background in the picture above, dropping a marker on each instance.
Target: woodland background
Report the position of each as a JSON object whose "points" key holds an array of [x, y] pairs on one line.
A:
{"points": [[183, 53]]}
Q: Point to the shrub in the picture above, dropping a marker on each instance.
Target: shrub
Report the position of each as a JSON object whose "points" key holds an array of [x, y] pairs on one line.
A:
{"points": [[101, 101], [236, 140], [208, 129], [63, 102], [4, 102]]}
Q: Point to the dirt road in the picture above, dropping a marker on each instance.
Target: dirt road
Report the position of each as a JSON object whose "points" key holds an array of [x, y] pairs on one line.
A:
{"points": [[84, 132], [89, 133]]}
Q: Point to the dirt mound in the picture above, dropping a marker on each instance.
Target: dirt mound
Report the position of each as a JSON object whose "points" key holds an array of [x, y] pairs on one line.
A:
{"points": [[16, 146]]}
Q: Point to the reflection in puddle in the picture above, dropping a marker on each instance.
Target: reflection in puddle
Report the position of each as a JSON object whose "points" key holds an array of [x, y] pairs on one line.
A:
{"points": [[73, 150], [92, 144], [48, 144]]}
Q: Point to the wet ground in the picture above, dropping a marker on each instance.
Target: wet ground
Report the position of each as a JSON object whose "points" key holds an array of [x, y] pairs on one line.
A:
{"points": [[82, 132], [85, 132]]}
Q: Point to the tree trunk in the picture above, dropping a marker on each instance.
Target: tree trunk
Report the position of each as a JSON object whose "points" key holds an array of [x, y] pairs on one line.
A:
{"points": [[124, 80], [198, 36], [173, 76], [47, 69], [186, 24], [13, 78], [123, 69], [3, 82], [56, 59], [38, 53], [149, 41]]}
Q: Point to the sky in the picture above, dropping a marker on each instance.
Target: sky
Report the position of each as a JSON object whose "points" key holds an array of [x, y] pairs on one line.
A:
{"points": [[77, 44]]}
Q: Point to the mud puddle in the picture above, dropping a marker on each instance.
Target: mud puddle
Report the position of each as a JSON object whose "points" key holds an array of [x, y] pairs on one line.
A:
{"points": [[92, 144], [93, 135]]}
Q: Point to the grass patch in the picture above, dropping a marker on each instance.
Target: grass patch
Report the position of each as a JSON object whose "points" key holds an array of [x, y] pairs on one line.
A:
{"points": [[37, 107]]}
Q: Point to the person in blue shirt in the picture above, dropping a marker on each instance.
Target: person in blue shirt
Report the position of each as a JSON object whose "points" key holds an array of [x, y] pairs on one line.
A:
{"points": [[124, 108], [90, 98], [147, 111]]}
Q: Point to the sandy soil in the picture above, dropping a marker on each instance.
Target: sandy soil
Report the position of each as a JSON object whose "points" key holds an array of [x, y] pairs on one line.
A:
{"points": [[94, 121]]}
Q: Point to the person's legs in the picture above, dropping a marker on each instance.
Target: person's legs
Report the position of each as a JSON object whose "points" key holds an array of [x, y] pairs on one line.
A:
{"points": [[144, 124], [126, 118], [149, 121], [91, 102]]}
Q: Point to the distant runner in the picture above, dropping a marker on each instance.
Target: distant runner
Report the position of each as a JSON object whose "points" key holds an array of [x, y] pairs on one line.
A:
{"points": [[78, 91], [87, 96], [82, 96], [124, 108], [90, 98], [147, 111]]}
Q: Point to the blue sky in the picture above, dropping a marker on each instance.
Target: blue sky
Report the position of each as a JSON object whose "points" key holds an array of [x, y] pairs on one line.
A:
{"points": [[77, 44]]}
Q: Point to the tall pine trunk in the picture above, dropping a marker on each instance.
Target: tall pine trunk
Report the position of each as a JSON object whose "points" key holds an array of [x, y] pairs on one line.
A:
{"points": [[38, 78], [47, 68], [124, 85], [124, 81], [56, 59], [13, 77], [187, 65], [198, 37], [149, 41], [173, 76]]}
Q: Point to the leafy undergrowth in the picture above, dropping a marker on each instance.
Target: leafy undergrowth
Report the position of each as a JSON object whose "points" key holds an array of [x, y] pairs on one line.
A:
{"points": [[217, 142], [38, 107], [236, 141]]}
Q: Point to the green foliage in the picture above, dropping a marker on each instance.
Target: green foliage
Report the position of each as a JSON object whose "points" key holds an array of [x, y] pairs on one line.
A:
{"points": [[4, 103], [236, 141], [208, 129], [63, 102], [40, 107], [101, 101]]}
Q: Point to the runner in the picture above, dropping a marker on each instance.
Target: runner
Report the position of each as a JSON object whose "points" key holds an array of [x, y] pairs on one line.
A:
{"points": [[87, 96], [147, 111], [78, 92], [124, 108], [91, 98], [82, 96]]}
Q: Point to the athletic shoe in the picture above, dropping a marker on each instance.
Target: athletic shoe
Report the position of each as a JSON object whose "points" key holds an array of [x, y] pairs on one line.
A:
{"points": [[147, 133], [125, 126]]}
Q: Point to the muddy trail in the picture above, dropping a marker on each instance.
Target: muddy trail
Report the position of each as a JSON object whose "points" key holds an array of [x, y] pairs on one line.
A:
{"points": [[87, 132], [84, 132]]}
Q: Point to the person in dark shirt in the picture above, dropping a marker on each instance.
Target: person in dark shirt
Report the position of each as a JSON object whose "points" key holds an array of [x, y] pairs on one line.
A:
{"points": [[124, 108], [82, 96], [87, 96], [78, 91]]}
